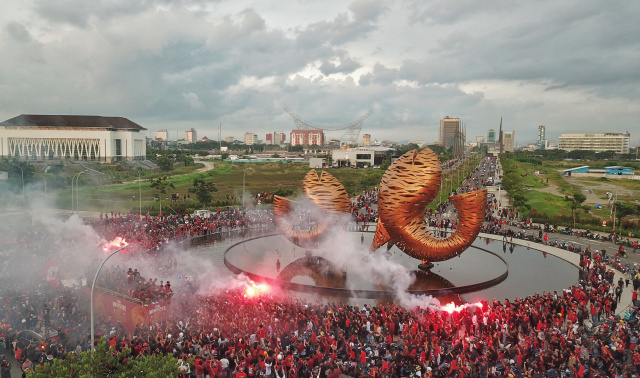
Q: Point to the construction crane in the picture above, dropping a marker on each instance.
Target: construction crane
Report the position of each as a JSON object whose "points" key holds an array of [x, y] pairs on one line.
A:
{"points": [[349, 137]]}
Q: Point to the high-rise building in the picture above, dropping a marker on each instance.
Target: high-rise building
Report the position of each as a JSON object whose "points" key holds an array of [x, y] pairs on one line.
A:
{"points": [[599, 142], [307, 137], [366, 140], [542, 139], [229, 139], [250, 138], [479, 139], [279, 137], [162, 135], [491, 136], [268, 139], [451, 134], [191, 136], [509, 140]]}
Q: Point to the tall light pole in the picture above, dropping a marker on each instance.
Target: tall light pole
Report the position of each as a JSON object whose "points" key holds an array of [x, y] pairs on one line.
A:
{"points": [[72, 179], [78, 192], [46, 197], [139, 194], [22, 177], [93, 287], [243, 186]]}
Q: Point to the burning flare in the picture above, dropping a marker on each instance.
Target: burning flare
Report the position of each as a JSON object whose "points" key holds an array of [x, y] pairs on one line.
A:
{"points": [[114, 244]]}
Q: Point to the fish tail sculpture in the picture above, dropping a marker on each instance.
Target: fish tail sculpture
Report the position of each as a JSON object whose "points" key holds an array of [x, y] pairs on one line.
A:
{"points": [[325, 192], [409, 185]]}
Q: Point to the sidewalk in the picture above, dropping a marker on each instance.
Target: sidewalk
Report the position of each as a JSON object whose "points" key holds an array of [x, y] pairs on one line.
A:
{"points": [[573, 258]]}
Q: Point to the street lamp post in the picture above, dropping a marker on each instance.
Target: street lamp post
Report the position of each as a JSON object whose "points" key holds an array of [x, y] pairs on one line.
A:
{"points": [[93, 287], [46, 197], [22, 177], [139, 194], [243, 186], [78, 192], [72, 179]]}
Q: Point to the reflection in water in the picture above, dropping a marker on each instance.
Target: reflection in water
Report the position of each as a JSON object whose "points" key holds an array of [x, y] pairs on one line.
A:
{"points": [[322, 271]]}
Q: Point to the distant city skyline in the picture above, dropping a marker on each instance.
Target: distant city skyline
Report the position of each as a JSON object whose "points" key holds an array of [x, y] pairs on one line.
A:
{"points": [[180, 65]]}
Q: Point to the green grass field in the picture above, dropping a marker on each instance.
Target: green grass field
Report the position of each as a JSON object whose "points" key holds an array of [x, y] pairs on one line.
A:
{"points": [[97, 193], [547, 203]]}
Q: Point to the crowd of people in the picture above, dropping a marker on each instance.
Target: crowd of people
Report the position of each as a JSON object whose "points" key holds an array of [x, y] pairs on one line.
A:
{"points": [[227, 333], [149, 234]]}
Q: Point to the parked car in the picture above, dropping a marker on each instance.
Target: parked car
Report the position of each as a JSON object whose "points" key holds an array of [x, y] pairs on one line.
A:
{"points": [[202, 213]]}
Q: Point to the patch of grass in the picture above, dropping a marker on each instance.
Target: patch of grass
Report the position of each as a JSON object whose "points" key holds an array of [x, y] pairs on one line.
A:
{"points": [[547, 203]]}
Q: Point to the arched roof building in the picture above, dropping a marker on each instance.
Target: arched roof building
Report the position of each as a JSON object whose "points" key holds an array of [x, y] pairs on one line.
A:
{"points": [[72, 137]]}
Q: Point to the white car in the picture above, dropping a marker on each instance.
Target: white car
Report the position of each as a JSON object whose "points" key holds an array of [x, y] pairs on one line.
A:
{"points": [[202, 213]]}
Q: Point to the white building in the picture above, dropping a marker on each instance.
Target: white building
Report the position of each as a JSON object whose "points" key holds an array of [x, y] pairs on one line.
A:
{"points": [[599, 142], [72, 137], [359, 157], [250, 138]]}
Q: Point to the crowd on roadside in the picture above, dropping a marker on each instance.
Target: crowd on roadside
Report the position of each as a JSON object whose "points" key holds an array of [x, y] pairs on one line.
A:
{"points": [[148, 233]]}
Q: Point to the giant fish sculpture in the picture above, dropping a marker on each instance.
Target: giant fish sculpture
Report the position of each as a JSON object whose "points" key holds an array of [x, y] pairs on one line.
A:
{"points": [[409, 185], [325, 192]]}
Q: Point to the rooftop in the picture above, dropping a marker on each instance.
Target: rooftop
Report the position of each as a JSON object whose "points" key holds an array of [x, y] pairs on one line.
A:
{"points": [[43, 120]]}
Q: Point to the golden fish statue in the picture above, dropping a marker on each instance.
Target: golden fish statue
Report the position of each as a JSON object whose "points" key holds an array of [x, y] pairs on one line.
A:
{"points": [[325, 192], [409, 185]]}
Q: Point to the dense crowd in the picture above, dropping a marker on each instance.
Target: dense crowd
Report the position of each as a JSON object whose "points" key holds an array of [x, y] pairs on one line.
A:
{"points": [[149, 233], [228, 333]]}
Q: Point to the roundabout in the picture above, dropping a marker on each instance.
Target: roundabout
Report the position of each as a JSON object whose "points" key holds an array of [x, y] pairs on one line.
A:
{"points": [[488, 269]]}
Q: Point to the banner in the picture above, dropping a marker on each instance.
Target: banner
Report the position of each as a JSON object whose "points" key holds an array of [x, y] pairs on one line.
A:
{"points": [[127, 312], [51, 273]]}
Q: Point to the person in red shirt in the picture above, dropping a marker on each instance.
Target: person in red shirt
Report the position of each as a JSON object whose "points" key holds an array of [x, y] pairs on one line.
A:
{"points": [[200, 367], [240, 373]]}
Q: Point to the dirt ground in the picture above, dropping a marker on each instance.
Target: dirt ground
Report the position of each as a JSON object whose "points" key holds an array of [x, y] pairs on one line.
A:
{"points": [[595, 191]]}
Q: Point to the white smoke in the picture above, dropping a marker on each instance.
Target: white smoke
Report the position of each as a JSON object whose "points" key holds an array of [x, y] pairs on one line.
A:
{"points": [[341, 249]]}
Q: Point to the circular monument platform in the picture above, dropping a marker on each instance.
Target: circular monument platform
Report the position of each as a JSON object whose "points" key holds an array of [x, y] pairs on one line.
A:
{"points": [[486, 270]]}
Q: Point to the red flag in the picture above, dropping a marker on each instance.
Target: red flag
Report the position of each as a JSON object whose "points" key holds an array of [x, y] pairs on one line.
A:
{"points": [[51, 273], [581, 371]]}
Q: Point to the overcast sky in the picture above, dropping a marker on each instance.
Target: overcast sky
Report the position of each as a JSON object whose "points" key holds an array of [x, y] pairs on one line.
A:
{"points": [[569, 65]]}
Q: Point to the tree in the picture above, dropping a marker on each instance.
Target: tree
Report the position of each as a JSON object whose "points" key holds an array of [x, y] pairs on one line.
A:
{"points": [[165, 163], [575, 203], [624, 209], [161, 184], [103, 362], [203, 190]]}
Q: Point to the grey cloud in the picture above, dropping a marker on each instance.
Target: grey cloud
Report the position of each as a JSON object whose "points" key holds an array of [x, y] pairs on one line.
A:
{"points": [[345, 65], [451, 11], [367, 10], [381, 75], [342, 28], [80, 12], [18, 32]]}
